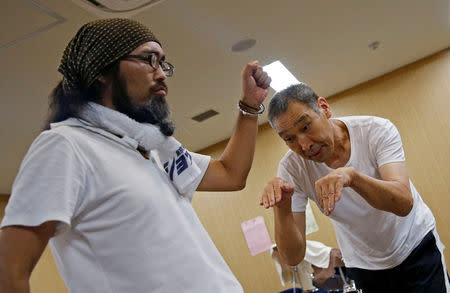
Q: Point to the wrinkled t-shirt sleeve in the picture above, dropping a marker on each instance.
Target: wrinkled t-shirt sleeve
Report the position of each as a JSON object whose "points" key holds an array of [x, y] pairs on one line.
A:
{"points": [[387, 144], [202, 162], [48, 185], [286, 172]]}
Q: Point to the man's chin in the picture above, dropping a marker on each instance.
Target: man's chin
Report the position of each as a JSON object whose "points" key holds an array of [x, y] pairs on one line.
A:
{"points": [[159, 97]]}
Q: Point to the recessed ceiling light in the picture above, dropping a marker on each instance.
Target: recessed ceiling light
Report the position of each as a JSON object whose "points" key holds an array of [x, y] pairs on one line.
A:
{"points": [[281, 77], [374, 45], [243, 45]]}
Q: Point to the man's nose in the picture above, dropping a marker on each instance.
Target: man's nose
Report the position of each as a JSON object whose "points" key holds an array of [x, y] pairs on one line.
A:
{"points": [[159, 74], [305, 143]]}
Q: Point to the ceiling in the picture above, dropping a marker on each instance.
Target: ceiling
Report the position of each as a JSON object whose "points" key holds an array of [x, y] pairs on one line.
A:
{"points": [[324, 43]]}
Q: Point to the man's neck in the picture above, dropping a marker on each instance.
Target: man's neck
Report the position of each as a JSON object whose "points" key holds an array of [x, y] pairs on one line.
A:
{"points": [[342, 146]]}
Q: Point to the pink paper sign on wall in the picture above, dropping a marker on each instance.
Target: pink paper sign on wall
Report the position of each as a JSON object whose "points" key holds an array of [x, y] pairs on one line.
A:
{"points": [[256, 235]]}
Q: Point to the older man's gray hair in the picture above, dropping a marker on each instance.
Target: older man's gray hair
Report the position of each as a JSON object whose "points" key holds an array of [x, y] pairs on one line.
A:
{"points": [[300, 93]]}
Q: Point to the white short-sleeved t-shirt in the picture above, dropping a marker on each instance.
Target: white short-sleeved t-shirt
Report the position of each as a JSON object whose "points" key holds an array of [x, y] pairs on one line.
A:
{"points": [[123, 226], [368, 238]]}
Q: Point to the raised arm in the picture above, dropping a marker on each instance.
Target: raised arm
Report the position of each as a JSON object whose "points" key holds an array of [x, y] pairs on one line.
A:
{"points": [[231, 170], [20, 249], [290, 228]]}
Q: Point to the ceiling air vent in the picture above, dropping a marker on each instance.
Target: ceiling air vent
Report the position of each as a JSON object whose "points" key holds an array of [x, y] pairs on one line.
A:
{"points": [[205, 115], [114, 8]]}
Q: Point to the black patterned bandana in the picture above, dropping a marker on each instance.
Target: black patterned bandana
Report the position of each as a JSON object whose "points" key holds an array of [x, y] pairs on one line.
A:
{"points": [[96, 45]]}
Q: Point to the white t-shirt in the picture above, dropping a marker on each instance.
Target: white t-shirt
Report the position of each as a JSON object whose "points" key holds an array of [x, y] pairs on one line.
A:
{"points": [[123, 226], [368, 238]]}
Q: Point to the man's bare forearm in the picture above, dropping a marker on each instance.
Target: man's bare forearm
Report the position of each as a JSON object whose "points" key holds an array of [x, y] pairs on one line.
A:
{"points": [[238, 155], [290, 242], [390, 196], [12, 284]]}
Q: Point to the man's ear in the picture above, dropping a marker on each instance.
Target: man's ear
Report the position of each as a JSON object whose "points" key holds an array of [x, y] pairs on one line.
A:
{"points": [[324, 107]]}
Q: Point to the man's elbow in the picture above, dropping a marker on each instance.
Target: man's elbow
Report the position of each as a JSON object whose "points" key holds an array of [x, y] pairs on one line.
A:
{"points": [[294, 256], [406, 207], [236, 178], [242, 183], [294, 260], [238, 182], [238, 185]]}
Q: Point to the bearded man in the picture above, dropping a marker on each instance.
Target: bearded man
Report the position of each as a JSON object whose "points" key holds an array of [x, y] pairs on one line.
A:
{"points": [[109, 187]]}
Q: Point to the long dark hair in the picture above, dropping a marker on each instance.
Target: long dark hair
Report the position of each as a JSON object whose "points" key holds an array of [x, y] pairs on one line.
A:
{"points": [[66, 104]]}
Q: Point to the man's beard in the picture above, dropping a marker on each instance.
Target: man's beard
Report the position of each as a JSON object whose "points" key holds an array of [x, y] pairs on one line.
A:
{"points": [[156, 111]]}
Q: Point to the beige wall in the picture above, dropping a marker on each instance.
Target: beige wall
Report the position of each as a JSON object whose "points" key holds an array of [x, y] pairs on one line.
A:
{"points": [[415, 98]]}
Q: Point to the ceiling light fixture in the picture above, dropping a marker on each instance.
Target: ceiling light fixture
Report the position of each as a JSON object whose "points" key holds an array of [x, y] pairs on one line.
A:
{"points": [[374, 45], [243, 45], [116, 8], [280, 75]]}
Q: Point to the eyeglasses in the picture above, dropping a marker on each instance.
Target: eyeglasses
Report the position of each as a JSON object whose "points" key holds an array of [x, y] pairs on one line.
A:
{"points": [[155, 63]]}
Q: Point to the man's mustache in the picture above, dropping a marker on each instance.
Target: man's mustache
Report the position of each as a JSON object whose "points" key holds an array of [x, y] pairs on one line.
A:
{"points": [[159, 86], [313, 150]]}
